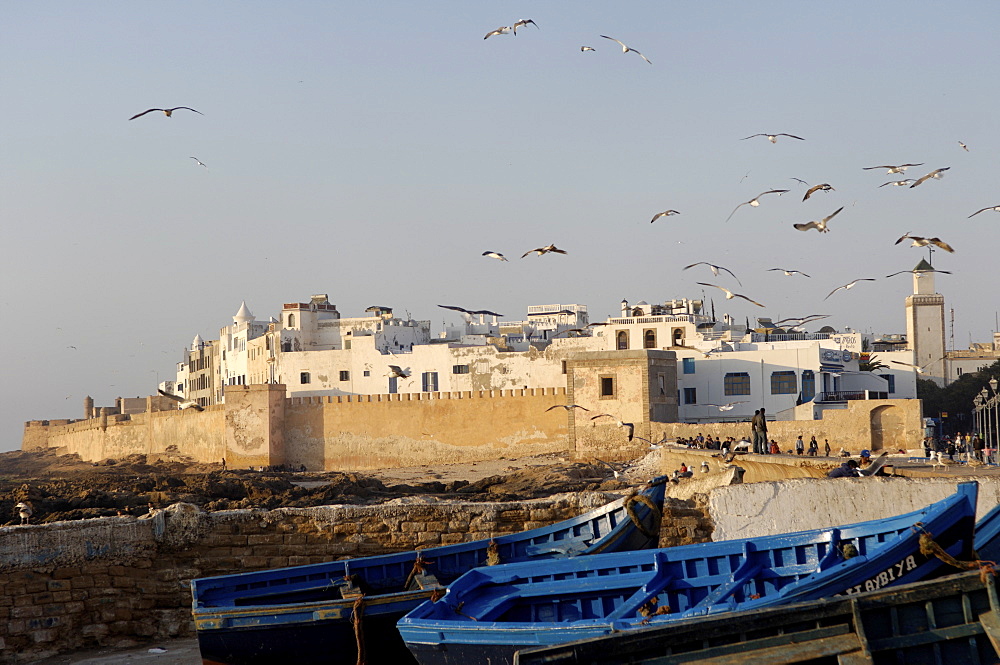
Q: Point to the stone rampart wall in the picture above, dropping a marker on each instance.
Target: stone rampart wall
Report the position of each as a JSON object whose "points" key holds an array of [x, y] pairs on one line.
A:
{"points": [[116, 582]]}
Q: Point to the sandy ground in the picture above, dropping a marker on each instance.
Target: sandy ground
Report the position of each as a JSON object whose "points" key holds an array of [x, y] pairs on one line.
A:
{"points": [[172, 652]]}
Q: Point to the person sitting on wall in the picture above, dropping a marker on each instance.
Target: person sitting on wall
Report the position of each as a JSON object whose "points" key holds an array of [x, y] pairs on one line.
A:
{"points": [[866, 458], [774, 447], [848, 469]]}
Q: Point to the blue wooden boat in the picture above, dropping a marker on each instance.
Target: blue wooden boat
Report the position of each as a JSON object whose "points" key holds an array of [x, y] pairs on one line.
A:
{"points": [[304, 614], [988, 536], [949, 620], [490, 613]]}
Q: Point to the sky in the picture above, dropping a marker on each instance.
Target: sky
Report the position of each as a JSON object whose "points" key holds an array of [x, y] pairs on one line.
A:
{"points": [[374, 151]]}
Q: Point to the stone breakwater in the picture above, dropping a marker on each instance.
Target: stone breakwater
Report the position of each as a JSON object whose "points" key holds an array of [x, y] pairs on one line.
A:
{"points": [[123, 581]]}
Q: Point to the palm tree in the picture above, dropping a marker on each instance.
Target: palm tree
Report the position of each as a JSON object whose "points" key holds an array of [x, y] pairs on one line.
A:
{"points": [[872, 364]]}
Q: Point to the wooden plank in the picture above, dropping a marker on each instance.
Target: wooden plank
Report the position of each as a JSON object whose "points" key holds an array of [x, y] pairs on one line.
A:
{"points": [[859, 657], [991, 624], [817, 643]]}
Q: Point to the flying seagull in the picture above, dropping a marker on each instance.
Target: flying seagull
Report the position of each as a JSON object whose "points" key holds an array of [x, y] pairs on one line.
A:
{"points": [[544, 250], [919, 369], [788, 272], [628, 427], [729, 294], [825, 187], [182, 403], [755, 201], [665, 213], [963, 146], [898, 183], [849, 285], [166, 112], [626, 49], [395, 371], [502, 30], [199, 162], [456, 309], [715, 270], [802, 320], [618, 470], [820, 225], [923, 242], [724, 407], [890, 168], [800, 180], [587, 48], [947, 272], [937, 174], [523, 22], [993, 208], [773, 138], [495, 255], [568, 407]]}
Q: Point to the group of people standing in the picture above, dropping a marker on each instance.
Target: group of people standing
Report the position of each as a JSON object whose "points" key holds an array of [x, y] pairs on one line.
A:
{"points": [[970, 446], [761, 445]]}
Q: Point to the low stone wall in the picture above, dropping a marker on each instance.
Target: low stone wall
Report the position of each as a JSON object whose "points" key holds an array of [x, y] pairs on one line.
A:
{"points": [[117, 582], [759, 509]]}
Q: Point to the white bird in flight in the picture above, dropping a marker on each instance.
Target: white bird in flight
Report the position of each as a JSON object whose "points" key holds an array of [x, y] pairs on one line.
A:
{"points": [[919, 369], [755, 201], [820, 225], [628, 427], [788, 272], [963, 146], [523, 22], [166, 112], [182, 403], [849, 285], [937, 174], [919, 241], [729, 406], [773, 138], [715, 269], [587, 48], [665, 213], [730, 295], [913, 272], [890, 169], [495, 255], [898, 183], [199, 162], [626, 49], [502, 30], [395, 371], [825, 187], [545, 250], [993, 208], [568, 407]]}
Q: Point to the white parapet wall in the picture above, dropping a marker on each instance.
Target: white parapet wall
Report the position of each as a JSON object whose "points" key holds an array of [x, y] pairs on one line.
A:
{"points": [[761, 509]]}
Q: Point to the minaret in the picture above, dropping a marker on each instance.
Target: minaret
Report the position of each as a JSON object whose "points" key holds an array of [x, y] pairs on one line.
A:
{"points": [[925, 324]]}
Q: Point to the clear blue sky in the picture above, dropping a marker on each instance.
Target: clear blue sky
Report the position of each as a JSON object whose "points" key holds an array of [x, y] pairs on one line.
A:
{"points": [[373, 151]]}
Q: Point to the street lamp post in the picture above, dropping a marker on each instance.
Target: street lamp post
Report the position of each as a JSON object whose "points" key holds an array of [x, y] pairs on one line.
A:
{"points": [[995, 403]]}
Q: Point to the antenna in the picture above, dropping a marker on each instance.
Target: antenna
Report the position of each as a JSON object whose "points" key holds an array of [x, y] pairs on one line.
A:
{"points": [[951, 324], [930, 255]]}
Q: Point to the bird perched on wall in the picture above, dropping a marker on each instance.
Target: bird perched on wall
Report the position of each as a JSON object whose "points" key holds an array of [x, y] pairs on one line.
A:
{"points": [[24, 511], [397, 372], [704, 466], [182, 402], [545, 250], [825, 187], [773, 138], [820, 225], [628, 427], [166, 112], [919, 241]]}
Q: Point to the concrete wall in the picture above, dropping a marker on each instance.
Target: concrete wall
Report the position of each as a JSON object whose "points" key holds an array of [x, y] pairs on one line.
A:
{"points": [[117, 582], [757, 509]]}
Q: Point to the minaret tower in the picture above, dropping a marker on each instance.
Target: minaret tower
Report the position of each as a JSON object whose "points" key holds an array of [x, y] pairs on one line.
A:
{"points": [[925, 324]]}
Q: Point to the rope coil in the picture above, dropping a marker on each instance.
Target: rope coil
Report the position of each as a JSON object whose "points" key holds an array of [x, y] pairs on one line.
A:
{"points": [[630, 502]]}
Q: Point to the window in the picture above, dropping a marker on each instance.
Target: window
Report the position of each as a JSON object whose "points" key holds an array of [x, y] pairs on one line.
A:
{"points": [[661, 383], [622, 338], [367, 372], [783, 383], [345, 375], [736, 383], [564, 367], [459, 369], [291, 320], [690, 395], [808, 385], [649, 339], [393, 386], [689, 365], [304, 377], [891, 378], [429, 382], [607, 387]]}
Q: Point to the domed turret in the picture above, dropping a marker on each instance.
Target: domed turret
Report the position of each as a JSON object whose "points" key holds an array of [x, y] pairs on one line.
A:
{"points": [[244, 315], [197, 343]]}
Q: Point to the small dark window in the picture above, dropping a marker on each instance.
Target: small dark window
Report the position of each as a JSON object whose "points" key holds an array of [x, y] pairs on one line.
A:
{"points": [[304, 377], [345, 375], [622, 340], [367, 373], [736, 383], [564, 367], [459, 369], [783, 383], [649, 339], [607, 386], [690, 395]]}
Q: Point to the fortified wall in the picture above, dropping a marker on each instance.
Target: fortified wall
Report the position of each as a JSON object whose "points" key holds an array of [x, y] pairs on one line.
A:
{"points": [[122, 581]]}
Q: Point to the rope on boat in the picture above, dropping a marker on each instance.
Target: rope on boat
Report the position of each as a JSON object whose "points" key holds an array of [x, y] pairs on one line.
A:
{"points": [[492, 553], [630, 502], [359, 631], [419, 566], [930, 548]]}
